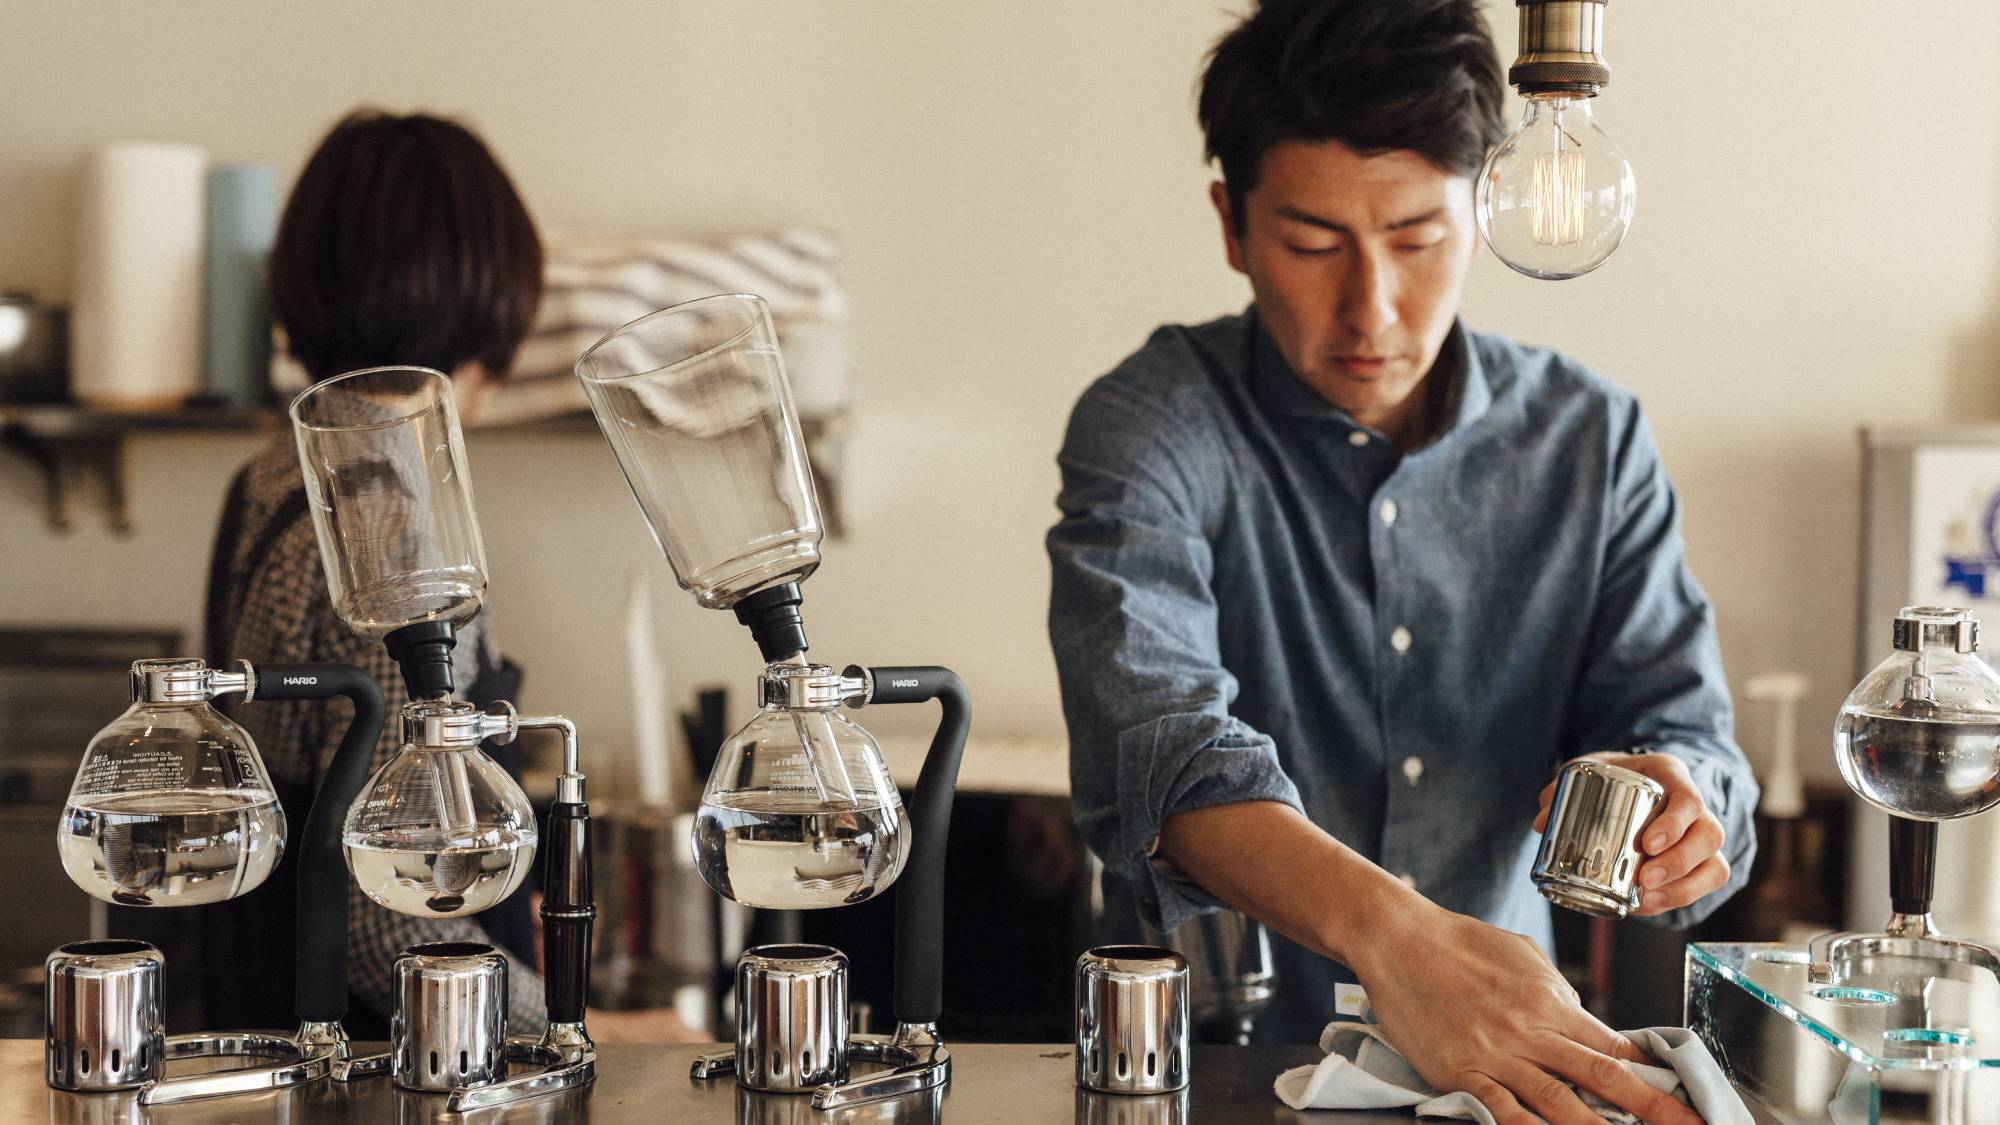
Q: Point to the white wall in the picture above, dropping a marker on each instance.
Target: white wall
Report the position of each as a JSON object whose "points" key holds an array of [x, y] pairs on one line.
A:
{"points": [[1020, 189]]}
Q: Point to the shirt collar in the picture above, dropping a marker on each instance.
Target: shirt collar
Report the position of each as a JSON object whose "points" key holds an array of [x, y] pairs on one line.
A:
{"points": [[1281, 391]]}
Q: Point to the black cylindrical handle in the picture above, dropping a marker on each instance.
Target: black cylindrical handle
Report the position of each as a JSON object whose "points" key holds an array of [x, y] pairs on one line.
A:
{"points": [[321, 989], [568, 910], [1912, 864], [919, 997]]}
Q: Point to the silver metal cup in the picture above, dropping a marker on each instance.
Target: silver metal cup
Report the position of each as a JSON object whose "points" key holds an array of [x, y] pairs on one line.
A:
{"points": [[449, 1028], [1131, 1020], [791, 1017], [1590, 854], [105, 1030]]}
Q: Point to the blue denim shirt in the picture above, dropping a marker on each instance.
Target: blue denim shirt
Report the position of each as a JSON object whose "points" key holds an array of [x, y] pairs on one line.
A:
{"points": [[1256, 598]]}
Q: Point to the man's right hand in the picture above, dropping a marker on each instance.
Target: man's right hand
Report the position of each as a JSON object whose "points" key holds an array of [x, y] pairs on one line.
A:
{"points": [[1471, 1006], [1479, 1009]]}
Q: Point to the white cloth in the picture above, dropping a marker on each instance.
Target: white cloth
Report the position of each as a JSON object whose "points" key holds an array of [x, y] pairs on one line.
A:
{"points": [[594, 282], [1362, 1071]]}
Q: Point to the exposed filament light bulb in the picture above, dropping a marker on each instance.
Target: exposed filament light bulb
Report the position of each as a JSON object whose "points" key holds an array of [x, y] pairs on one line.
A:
{"points": [[1556, 197], [1559, 193]]}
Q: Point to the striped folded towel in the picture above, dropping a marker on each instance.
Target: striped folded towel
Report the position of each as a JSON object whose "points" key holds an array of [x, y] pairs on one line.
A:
{"points": [[594, 282]]}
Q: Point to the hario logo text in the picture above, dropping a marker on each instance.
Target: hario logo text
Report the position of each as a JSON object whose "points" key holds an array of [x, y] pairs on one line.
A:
{"points": [[300, 679], [902, 683]]}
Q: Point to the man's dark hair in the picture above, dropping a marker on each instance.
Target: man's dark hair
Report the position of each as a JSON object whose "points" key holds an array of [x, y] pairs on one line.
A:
{"points": [[1375, 75], [404, 242]]}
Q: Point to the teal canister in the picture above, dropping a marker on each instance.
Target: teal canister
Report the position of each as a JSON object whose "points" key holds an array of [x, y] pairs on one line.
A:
{"points": [[242, 222]]}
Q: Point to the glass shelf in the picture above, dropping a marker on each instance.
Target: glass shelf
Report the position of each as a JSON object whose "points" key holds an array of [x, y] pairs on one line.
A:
{"points": [[1890, 1039]]}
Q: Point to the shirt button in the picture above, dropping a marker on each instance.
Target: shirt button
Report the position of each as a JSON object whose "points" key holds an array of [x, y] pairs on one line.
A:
{"points": [[1408, 880], [1388, 511], [1400, 639], [1357, 438], [1413, 768]]}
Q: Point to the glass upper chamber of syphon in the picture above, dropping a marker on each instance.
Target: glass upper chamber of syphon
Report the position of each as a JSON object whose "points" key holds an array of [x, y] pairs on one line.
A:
{"points": [[1920, 735], [391, 500], [441, 830], [172, 804], [694, 402], [800, 811]]}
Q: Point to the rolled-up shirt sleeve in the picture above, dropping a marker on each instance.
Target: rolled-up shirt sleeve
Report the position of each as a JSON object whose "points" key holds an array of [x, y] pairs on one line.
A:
{"points": [[1132, 619], [1653, 676]]}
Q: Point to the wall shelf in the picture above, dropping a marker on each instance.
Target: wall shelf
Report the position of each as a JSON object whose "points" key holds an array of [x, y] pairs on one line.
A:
{"points": [[69, 444]]}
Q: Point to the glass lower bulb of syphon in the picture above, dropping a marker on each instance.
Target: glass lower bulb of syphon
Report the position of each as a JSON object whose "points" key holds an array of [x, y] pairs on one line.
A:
{"points": [[172, 804], [800, 812], [442, 830]]}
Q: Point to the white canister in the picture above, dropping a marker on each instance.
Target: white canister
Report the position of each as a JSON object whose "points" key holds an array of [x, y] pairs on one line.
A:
{"points": [[136, 299]]}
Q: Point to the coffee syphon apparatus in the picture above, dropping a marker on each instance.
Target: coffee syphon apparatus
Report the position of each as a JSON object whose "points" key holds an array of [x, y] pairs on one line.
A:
{"points": [[173, 806], [1918, 738], [1836, 1027], [800, 811]]}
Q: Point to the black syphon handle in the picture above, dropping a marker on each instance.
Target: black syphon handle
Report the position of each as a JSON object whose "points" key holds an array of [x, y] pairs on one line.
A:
{"points": [[919, 997], [1912, 864], [568, 910], [321, 994]]}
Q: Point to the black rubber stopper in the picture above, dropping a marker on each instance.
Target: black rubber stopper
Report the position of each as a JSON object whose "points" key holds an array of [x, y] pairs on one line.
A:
{"points": [[773, 617], [423, 652]]}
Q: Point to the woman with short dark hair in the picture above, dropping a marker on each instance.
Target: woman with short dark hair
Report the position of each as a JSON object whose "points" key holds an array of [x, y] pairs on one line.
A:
{"points": [[404, 242]]}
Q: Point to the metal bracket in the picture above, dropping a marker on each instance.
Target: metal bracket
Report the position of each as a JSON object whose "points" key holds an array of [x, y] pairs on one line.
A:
{"points": [[67, 462], [715, 1064], [558, 1069], [915, 1067], [70, 443], [293, 1066], [360, 1066]]}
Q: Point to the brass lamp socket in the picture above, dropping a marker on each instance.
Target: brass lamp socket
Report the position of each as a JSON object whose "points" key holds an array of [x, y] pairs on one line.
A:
{"points": [[1562, 48]]}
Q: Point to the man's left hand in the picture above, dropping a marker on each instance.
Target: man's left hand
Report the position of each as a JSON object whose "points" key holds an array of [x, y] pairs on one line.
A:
{"points": [[1684, 839]]}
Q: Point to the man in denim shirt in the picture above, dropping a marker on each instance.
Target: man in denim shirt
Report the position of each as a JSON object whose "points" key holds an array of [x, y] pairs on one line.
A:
{"points": [[1339, 584]]}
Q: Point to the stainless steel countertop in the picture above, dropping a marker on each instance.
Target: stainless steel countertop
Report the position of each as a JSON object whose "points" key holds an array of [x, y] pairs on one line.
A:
{"points": [[997, 1083]]}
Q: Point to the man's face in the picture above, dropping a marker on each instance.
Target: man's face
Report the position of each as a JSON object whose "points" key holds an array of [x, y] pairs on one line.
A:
{"points": [[1357, 263]]}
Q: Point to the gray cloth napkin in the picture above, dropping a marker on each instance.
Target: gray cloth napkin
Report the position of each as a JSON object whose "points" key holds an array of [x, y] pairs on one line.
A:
{"points": [[1361, 1071]]}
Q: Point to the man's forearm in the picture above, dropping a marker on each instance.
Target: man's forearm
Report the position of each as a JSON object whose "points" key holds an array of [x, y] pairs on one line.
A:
{"points": [[1267, 860]]}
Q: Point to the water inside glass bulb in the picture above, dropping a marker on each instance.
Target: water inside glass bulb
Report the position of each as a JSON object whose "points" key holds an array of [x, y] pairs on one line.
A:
{"points": [[171, 806], [440, 831], [172, 847], [800, 813], [1920, 734]]}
